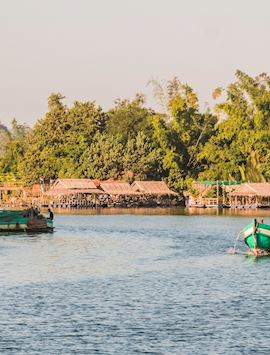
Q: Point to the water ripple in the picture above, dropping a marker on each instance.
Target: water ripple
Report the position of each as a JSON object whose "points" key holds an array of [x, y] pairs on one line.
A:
{"points": [[133, 285]]}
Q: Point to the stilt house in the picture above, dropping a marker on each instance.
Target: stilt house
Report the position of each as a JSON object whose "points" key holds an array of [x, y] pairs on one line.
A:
{"points": [[74, 193], [251, 195], [152, 188], [156, 193], [119, 194]]}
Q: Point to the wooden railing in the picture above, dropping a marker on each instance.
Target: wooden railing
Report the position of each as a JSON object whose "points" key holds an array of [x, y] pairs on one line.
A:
{"points": [[207, 201]]}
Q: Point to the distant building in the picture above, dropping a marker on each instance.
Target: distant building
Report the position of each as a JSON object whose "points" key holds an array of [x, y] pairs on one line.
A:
{"points": [[87, 193], [10, 193], [152, 188], [73, 193], [199, 196], [228, 194], [113, 187], [250, 195]]}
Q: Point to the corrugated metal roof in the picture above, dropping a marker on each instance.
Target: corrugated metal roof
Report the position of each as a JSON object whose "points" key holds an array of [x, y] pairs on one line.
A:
{"points": [[152, 187], [117, 188], [252, 189]]}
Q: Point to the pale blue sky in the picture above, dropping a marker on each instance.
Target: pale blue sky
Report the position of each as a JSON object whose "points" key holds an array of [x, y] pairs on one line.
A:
{"points": [[104, 49]]}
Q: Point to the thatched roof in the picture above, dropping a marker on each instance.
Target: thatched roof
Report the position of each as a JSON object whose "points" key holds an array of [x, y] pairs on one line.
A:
{"points": [[10, 187], [75, 183], [72, 186], [35, 190], [252, 189], [65, 192], [152, 188], [116, 187], [201, 189]]}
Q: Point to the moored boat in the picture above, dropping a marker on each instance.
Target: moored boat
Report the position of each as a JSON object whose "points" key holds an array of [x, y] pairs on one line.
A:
{"points": [[24, 221], [257, 237]]}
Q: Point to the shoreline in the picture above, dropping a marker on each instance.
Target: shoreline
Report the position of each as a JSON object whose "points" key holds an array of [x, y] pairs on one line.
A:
{"points": [[158, 211]]}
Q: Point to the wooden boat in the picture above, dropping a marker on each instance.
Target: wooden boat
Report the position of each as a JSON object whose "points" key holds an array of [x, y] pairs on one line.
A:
{"points": [[24, 221], [257, 237]]}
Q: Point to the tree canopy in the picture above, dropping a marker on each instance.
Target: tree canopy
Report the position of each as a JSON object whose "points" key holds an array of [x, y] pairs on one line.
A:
{"points": [[131, 141], [239, 149]]}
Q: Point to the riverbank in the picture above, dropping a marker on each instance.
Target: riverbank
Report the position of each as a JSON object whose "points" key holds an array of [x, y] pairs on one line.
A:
{"points": [[158, 211]]}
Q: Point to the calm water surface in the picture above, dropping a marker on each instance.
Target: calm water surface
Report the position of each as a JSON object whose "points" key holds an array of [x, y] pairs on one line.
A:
{"points": [[134, 284]]}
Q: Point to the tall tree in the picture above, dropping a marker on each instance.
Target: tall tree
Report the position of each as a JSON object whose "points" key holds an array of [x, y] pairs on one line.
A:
{"points": [[241, 143], [182, 132], [13, 149], [142, 159], [127, 118], [4, 135], [56, 143], [103, 159]]}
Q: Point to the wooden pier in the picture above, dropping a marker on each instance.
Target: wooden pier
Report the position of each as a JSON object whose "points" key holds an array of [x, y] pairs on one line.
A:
{"points": [[242, 196]]}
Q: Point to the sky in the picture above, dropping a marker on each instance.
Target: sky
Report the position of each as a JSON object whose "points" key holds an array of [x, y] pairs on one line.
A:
{"points": [[107, 49]]}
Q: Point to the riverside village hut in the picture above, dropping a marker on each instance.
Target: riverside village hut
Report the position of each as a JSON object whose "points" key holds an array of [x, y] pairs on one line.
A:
{"points": [[10, 193], [157, 193], [199, 196], [152, 188], [119, 194], [116, 187], [74, 193], [33, 195], [210, 193], [250, 195]]}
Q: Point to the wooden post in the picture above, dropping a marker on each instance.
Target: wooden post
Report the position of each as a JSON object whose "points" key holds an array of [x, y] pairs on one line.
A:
{"points": [[255, 225], [217, 194]]}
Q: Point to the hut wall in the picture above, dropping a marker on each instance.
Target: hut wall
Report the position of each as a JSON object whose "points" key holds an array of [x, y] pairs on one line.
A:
{"points": [[105, 200], [137, 200]]}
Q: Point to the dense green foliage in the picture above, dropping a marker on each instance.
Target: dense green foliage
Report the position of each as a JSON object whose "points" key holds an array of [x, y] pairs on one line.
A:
{"points": [[132, 142], [13, 146], [4, 135], [240, 147]]}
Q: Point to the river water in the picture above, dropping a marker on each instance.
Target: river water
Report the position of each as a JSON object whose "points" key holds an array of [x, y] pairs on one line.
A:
{"points": [[134, 282]]}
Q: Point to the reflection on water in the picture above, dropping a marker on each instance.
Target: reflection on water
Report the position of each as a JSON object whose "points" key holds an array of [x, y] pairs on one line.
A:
{"points": [[180, 211], [155, 281], [258, 259]]}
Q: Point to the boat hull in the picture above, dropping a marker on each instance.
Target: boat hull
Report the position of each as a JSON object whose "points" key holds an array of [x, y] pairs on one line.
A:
{"points": [[23, 221], [257, 236]]}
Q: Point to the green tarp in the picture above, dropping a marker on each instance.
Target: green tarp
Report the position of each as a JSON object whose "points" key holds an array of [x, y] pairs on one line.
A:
{"points": [[219, 182]]}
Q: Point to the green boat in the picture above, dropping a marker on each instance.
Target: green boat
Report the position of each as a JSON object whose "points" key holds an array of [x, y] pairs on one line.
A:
{"points": [[257, 237], [24, 221]]}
